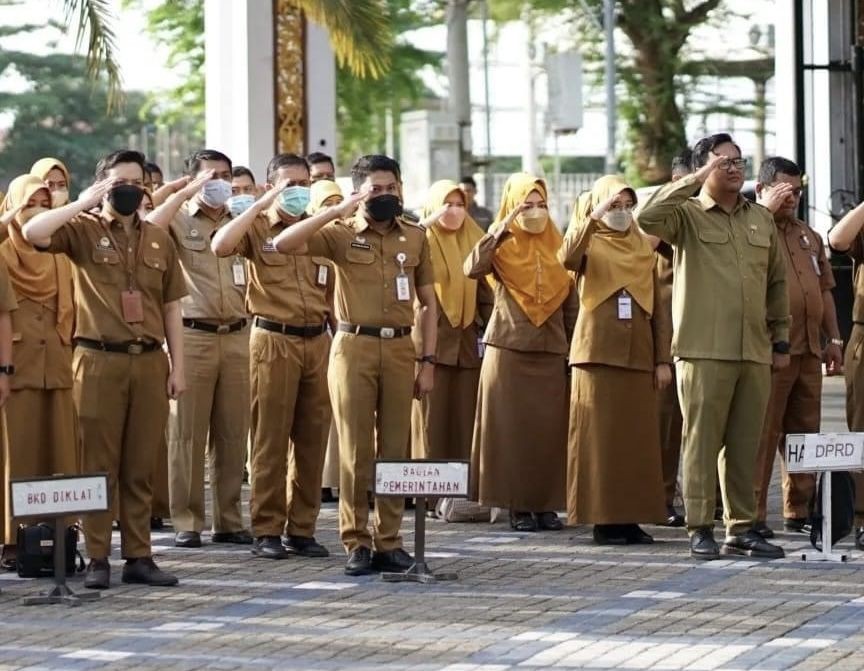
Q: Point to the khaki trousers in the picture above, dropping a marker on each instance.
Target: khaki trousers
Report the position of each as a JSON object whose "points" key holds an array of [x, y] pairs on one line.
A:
{"points": [[795, 406], [40, 439], [330, 477], [290, 423], [371, 387], [161, 504], [122, 406], [211, 418], [669, 411], [852, 364], [723, 404]]}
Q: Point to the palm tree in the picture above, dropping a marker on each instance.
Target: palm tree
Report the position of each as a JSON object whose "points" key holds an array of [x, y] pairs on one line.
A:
{"points": [[360, 33]]}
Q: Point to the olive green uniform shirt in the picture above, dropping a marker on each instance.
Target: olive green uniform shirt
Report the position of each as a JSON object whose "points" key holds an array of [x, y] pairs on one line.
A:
{"points": [[730, 300]]}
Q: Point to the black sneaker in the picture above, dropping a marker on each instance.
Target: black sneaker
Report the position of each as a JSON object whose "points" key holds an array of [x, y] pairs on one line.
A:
{"points": [[609, 534], [763, 529], [798, 525], [751, 544], [703, 545], [548, 521], [392, 561], [98, 574], [269, 547], [673, 518], [187, 539], [359, 562], [143, 571], [241, 537], [304, 546]]}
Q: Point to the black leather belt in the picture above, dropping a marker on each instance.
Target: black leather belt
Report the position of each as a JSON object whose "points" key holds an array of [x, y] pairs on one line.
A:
{"points": [[285, 329], [214, 328], [130, 347], [386, 332]]}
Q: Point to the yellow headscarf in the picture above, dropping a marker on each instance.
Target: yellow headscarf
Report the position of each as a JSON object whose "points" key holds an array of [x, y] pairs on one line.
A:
{"points": [[527, 263], [321, 191], [45, 165], [616, 260], [456, 293], [43, 278]]}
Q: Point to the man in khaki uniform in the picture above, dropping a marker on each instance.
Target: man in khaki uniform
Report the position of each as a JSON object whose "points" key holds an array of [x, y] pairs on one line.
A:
{"points": [[129, 287], [216, 343], [730, 309], [796, 391], [382, 266], [287, 295], [320, 166]]}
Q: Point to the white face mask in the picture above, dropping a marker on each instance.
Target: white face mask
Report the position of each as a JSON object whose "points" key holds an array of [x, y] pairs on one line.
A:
{"points": [[59, 197], [618, 220], [238, 204], [215, 192]]}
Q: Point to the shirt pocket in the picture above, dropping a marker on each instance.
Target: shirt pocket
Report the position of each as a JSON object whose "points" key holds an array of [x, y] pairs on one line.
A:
{"points": [[151, 272], [360, 265], [106, 268], [758, 248], [194, 250], [714, 236], [271, 269]]}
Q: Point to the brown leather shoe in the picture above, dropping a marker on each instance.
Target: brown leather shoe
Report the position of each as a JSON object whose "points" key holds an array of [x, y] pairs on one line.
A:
{"points": [[98, 574], [143, 571]]}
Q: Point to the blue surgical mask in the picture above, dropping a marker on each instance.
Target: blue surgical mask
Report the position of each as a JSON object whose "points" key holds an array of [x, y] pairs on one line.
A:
{"points": [[294, 200], [240, 203], [215, 192]]}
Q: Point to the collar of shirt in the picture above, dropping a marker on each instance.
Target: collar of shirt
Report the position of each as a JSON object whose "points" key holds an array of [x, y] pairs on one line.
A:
{"points": [[107, 220], [359, 223], [707, 202], [193, 207], [274, 220]]}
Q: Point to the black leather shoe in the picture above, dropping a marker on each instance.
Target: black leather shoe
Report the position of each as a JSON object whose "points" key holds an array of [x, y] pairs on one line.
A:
{"points": [[241, 537], [144, 571], [703, 545], [187, 539], [269, 547], [522, 522], [392, 561], [609, 534], [548, 521], [359, 562], [636, 536], [673, 518], [859, 538], [763, 530], [751, 544], [156, 524], [98, 574], [304, 546], [327, 495], [799, 525], [8, 559]]}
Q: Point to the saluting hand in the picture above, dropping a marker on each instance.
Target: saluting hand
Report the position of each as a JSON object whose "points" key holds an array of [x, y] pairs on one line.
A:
{"points": [[192, 186], [714, 161], [662, 376], [348, 206], [7, 217], [774, 197], [93, 194], [600, 211]]}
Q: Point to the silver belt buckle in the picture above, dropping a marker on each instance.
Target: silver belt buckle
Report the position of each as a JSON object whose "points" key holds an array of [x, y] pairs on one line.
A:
{"points": [[135, 348], [388, 333], [222, 329]]}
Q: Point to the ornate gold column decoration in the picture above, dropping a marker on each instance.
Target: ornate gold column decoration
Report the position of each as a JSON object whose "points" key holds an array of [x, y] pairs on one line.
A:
{"points": [[289, 65]]}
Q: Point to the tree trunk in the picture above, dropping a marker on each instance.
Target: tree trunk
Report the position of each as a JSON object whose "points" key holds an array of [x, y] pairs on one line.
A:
{"points": [[458, 75]]}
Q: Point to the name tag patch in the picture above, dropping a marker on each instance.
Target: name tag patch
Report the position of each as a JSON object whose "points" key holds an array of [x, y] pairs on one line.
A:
{"points": [[360, 245]]}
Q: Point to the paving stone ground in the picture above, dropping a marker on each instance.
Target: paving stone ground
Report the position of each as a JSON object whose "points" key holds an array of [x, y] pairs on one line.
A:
{"points": [[522, 601]]}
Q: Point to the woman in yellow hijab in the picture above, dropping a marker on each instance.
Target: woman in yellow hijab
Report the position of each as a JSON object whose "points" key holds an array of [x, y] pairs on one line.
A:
{"points": [[41, 436], [520, 434], [56, 177], [442, 423], [620, 356]]}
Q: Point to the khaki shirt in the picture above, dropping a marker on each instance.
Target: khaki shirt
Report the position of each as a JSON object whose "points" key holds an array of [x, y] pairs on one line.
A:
{"points": [[7, 294], [100, 277], [730, 300], [367, 269], [509, 327], [41, 359], [286, 288], [856, 253], [808, 275], [600, 337], [214, 296]]}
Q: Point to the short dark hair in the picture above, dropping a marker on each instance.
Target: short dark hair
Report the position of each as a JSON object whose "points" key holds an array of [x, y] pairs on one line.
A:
{"points": [[706, 145], [116, 158], [319, 157], [242, 171], [193, 163], [370, 163], [152, 167], [774, 164], [682, 162], [283, 160], [468, 179]]}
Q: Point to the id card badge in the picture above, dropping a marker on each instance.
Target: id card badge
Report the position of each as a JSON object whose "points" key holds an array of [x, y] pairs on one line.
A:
{"points": [[322, 276], [816, 265], [403, 287], [238, 269], [133, 306], [625, 306]]}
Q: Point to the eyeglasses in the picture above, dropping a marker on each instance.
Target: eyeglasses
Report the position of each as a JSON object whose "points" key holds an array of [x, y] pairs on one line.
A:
{"points": [[737, 163]]}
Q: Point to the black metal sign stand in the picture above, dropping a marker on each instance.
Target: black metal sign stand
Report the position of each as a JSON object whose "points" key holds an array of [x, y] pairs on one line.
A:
{"points": [[61, 592], [420, 571]]}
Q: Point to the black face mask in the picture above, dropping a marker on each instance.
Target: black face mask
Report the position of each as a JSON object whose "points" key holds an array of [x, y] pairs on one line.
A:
{"points": [[384, 208], [125, 198]]}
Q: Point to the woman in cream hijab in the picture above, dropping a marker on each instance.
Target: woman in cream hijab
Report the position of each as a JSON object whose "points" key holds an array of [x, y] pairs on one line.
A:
{"points": [[56, 177], [442, 423], [620, 356], [520, 434], [41, 436]]}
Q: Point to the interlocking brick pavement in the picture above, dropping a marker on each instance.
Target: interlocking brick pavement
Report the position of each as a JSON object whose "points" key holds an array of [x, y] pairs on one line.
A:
{"points": [[522, 601]]}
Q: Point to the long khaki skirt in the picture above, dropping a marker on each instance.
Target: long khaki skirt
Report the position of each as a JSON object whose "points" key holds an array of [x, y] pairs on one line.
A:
{"points": [[614, 469], [442, 423], [520, 434]]}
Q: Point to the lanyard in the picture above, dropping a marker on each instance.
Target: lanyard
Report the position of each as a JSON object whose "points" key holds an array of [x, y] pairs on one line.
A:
{"points": [[128, 266]]}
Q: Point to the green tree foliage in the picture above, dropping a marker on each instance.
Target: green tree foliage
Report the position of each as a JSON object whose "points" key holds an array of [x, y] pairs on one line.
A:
{"points": [[62, 113]]}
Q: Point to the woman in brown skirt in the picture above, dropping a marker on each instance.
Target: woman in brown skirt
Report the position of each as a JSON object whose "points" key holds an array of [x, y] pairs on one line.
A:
{"points": [[442, 423], [620, 358], [41, 436], [520, 432]]}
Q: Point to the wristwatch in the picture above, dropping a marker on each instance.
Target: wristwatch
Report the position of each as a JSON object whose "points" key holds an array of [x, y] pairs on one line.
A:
{"points": [[7, 370], [836, 341], [781, 347], [428, 358]]}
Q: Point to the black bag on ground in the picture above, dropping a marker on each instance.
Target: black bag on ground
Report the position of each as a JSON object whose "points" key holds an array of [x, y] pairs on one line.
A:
{"points": [[842, 508], [35, 550]]}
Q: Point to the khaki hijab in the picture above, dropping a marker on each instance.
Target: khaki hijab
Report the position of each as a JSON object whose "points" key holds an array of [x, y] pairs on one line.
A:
{"points": [[527, 263], [40, 277], [616, 260], [45, 165], [456, 293], [321, 191]]}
